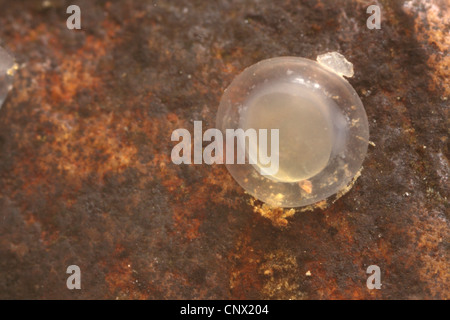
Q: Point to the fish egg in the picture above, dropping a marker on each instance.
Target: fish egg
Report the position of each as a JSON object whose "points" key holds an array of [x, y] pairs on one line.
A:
{"points": [[322, 128]]}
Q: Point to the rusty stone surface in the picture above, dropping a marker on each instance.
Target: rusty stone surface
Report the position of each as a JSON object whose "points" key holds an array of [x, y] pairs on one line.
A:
{"points": [[86, 176]]}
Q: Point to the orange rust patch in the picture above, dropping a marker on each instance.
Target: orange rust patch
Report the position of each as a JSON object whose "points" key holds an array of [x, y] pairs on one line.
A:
{"points": [[278, 216], [120, 278]]}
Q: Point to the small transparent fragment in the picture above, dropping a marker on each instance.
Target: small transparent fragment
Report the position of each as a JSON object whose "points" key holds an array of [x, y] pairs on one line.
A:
{"points": [[7, 69], [337, 63]]}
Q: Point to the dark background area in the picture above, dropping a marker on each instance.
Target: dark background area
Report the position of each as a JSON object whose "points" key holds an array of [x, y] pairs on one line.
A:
{"points": [[86, 176]]}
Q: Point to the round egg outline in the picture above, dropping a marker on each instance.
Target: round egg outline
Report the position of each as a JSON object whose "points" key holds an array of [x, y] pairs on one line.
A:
{"points": [[350, 125]]}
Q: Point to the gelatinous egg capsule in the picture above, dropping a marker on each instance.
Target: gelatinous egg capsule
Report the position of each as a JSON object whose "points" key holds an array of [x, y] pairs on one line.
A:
{"points": [[7, 69], [322, 127]]}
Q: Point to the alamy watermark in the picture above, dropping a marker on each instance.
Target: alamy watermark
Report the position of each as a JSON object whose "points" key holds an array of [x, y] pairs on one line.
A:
{"points": [[74, 280], [374, 280], [74, 20], [374, 21], [252, 142]]}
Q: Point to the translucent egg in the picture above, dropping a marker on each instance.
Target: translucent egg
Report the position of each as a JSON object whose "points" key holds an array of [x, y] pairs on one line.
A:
{"points": [[323, 131]]}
